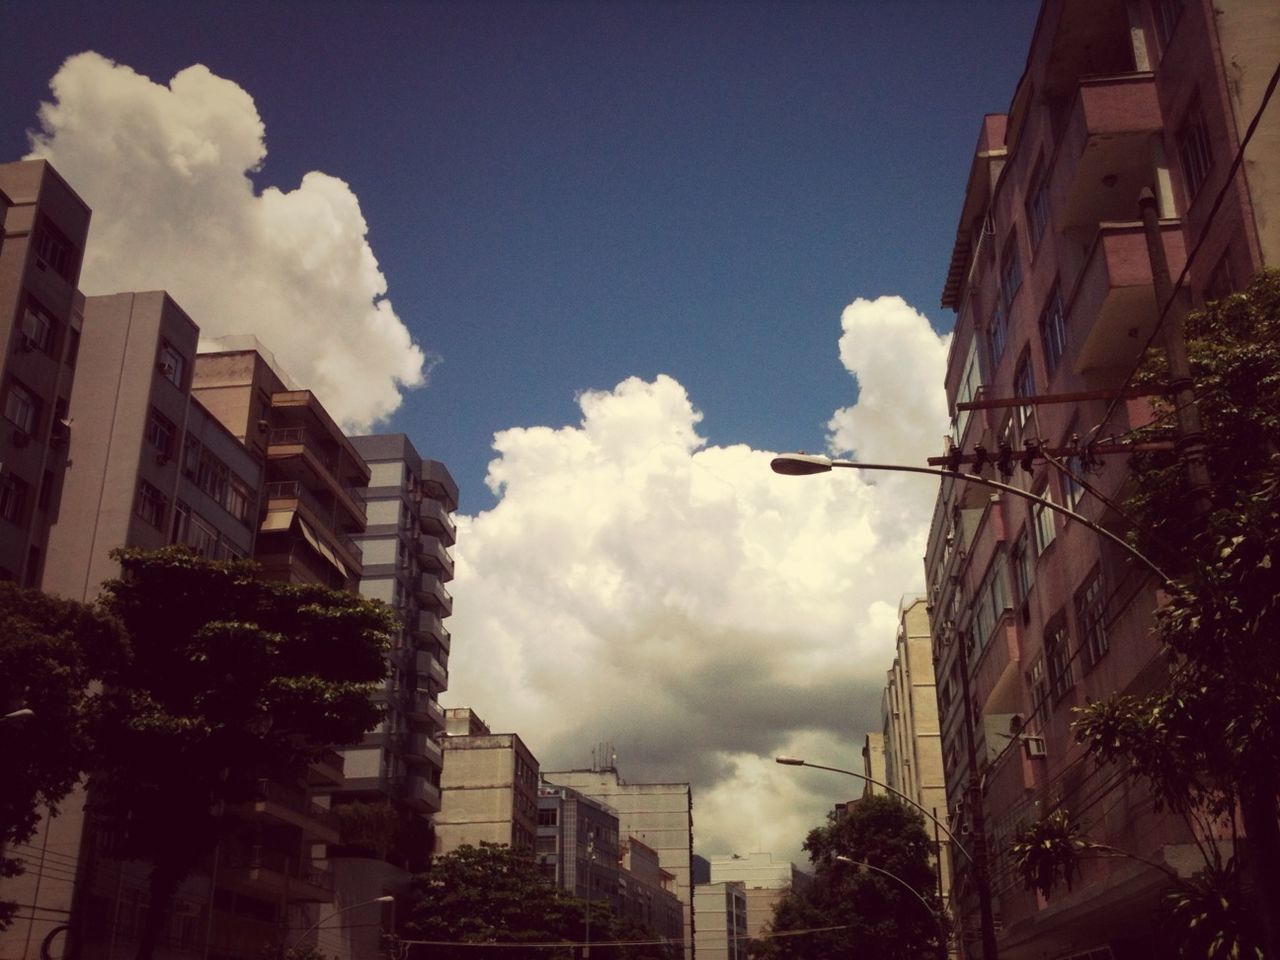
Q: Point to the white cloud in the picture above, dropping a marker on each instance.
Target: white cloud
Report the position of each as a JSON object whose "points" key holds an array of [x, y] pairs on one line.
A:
{"points": [[637, 586], [164, 169]]}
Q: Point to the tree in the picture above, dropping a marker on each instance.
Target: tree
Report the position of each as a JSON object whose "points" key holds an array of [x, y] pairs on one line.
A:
{"points": [[50, 652], [1209, 743], [495, 893], [875, 914], [227, 678]]}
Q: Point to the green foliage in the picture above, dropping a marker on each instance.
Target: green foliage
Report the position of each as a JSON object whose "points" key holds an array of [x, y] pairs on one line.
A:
{"points": [[1214, 923], [876, 915], [495, 893], [227, 678], [50, 652], [1046, 852]]}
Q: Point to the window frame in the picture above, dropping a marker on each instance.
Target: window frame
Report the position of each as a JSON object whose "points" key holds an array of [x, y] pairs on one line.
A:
{"points": [[1053, 328], [1195, 150], [1058, 659], [22, 407], [1091, 616]]}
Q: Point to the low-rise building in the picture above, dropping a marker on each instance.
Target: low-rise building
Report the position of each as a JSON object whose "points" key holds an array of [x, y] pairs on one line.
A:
{"points": [[721, 909], [489, 787]]}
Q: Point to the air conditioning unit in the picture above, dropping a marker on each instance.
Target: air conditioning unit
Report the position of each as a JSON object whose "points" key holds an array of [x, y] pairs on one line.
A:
{"points": [[165, 369], [1034, 746], [162, 458]]}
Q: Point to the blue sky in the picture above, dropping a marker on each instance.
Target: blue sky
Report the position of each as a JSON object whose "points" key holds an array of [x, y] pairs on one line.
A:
{"points": [[565, 194], [601, 218]]}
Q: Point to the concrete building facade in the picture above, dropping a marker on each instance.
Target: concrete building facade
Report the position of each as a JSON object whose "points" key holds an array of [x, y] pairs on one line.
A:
{"points": [[658, 814], [722, 920], [45, 228], [1052, 286], [489, 788], [764, 882]]}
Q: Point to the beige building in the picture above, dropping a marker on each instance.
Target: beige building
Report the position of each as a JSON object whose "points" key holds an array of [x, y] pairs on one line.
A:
{"points": [[722, 920], [912, 745], [658, 814], [489, 788], [45, 226], [764, 882]]}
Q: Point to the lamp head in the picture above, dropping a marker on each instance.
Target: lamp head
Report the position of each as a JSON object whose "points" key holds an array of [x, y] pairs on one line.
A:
{"points": [[799, 464], [789, 761]]}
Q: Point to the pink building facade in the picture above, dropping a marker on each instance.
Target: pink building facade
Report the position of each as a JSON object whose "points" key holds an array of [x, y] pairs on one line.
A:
{"points": [[1052, 286]]}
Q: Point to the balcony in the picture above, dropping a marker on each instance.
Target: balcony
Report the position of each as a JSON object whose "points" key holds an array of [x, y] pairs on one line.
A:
{"points": [[1105, 156], [1112, 309], [429, 666], [292, 494], [435, 557], [274, 801], [271, 874], [326, 769], [434, 595], [422, 794], [435, 519], [432, 626], [296, 453], [422, 747], [420, 705]]}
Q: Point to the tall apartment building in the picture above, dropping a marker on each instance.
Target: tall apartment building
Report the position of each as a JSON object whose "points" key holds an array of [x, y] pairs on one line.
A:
{"points": [[722, 920], [313, 503], [489, 788], [912, 741], [45, 227], [1052, 286], [764, 882], [658, 814]]}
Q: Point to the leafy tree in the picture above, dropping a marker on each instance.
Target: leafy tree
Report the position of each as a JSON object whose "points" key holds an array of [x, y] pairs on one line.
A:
{"points": [[874, 914], [493, 893], [50, 652], [228, 677], [1209, 743]]}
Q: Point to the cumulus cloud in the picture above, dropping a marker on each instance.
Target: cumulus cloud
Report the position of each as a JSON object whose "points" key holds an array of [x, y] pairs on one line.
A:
{"points": [[639, 586], [165, 170]]}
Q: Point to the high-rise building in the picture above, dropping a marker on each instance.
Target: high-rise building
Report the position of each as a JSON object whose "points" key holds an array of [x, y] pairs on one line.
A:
{"points": [[912, 743], [489, 788], [1052, 285], [722, 920], [313, 502], [764, 882], [658, 814], [45, 226]]}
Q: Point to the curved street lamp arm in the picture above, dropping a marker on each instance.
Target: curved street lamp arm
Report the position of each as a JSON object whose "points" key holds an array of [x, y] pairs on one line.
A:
{"points": [[914, 892], [385, 898], [793, 762]]}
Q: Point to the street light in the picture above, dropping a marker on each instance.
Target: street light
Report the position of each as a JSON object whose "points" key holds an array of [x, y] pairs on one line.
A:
{"points": [[797, 762], [937, 918], [19, 714], [807, 464], [385, 898]]}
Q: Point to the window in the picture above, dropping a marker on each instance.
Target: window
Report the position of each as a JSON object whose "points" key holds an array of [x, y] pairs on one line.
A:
{"points": [[1057, 655], [172, 365], [73, 346], [1023, 562], [37, 327], [1072, 490], [21, 407], [1053, 329], [998, 334], [191, 450], [1194, 151], [1011, 273], [1091, 617], [992, 599], [13, 491], [45, 497], [1043, 520], [1221, 281], [1038, 205], [1167, 14], [150, 505], [1024, 385], [238, 498], [548, 816], [181, 518], [213, 476], [53, 249], [970, 383], [547, 844], [160, 434]]}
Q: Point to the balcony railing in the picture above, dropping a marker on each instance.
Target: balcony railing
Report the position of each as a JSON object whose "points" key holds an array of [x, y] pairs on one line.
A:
{"points": [[435, 517], [272, 792], [296, 490], [259, 857], [314, 444]]}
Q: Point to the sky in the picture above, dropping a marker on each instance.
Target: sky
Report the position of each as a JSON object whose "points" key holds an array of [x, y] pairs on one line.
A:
{"points": [[600, 259]]}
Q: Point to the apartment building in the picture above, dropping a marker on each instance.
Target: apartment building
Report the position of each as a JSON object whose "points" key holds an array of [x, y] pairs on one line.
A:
{"points": [[911, 737], [45, 227], [489, 788], [722, 920], [313, 504], [764, 882], [1051, 282], [658, 814]]}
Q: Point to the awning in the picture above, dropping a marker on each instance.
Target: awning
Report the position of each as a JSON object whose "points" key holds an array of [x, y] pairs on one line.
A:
{"points": [[276, 521]]}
